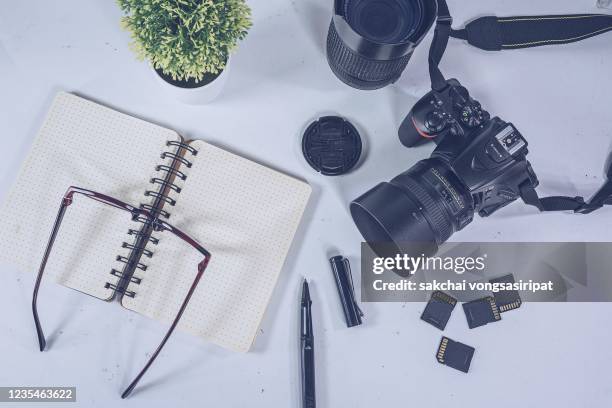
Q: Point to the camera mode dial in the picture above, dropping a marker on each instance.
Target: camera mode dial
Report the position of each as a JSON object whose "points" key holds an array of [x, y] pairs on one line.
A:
{"points": [[471, 114], [469, 111], [435, 121]]}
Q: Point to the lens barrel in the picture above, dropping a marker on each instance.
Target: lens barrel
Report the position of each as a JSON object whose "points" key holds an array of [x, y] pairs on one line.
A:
{"points": [[424, 205], [370, 42]]}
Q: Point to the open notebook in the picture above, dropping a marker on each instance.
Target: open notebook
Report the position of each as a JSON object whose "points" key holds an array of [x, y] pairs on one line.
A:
{"points": [[243, 213]]}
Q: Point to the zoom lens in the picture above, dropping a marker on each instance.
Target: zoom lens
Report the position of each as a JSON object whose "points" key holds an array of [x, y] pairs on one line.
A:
{"points": [[419, 209], [384, 21], [370, 42]]}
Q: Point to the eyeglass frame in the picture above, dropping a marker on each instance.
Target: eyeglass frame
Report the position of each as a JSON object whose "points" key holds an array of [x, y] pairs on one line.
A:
{"points": [[157, 225]]}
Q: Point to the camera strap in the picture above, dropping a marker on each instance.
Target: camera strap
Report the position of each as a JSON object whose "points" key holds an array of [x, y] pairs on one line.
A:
{"points": [[563, 203], [503, 33], [493, 33], [442, 33], [499, 33]]}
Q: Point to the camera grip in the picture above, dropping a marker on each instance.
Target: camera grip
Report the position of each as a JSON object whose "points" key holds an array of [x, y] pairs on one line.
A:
{"points": [[413, 132], [408, 134]]}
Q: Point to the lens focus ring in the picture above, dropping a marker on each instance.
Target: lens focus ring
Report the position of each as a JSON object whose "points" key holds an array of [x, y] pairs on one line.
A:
{"points": [[435, 214], [360, 72]]}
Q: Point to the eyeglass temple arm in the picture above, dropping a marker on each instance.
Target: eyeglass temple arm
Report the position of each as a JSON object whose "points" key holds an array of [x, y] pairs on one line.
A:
{"points": [[66, 201], [201, 267]]}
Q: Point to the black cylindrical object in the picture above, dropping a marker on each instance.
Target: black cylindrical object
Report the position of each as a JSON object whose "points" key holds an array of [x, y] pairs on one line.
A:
{"points": [[370, 42], [419, 209], [341, 269]]}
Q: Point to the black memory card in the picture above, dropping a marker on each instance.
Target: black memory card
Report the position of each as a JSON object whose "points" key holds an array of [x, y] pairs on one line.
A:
{"points": [[439, 309], [481, 311], [506, 299], [454, 354]]}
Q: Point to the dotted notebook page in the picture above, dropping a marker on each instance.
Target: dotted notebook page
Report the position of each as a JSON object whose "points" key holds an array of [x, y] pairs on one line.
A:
{"points": [[87, 145], [246, 215]]}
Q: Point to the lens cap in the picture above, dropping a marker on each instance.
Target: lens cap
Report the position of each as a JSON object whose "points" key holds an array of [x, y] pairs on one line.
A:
{"points": [[331, 145]]}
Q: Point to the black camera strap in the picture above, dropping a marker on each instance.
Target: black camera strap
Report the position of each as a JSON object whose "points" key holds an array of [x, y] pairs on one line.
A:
{"points": [[493, 33], [503, 33], [438, 45], [563, 203]]}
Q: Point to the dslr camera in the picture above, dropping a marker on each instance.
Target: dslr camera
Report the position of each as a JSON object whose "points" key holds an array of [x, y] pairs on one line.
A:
{"points": [[479, 165]]}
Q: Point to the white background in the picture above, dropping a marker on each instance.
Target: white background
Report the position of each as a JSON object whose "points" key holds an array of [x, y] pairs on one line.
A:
{"points": [[540, 355]]}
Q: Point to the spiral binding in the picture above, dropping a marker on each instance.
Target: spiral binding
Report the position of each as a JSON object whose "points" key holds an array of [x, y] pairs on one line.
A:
{"points": [[159, 211], [164, 183], [118, 289], [167, 174], [126, 260], [145, 251], [170, 170], [119, 274], [137, 234], [176, 157], [182, 145], [160, 196]]}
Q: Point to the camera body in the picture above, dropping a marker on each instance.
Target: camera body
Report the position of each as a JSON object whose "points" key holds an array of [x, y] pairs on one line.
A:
{"points": [[479, 165], [487, 154]]}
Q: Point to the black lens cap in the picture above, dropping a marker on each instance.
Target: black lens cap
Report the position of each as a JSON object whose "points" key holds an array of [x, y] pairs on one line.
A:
{"points": [[331, 145]]}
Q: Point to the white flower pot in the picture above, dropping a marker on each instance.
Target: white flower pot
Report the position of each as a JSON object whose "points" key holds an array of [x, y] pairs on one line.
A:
{"points": [[195, 93]]}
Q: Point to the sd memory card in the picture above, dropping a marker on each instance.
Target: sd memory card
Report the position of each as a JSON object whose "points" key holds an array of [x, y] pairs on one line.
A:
{"points": [[506, 299], [481, 311], [454, 354], [439, 309]]}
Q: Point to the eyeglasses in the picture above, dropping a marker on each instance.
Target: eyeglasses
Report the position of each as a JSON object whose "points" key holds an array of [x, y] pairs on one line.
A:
{"points": [[152, 222]]}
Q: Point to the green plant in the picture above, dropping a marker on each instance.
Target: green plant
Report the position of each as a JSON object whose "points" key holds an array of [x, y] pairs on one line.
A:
{"points": [[186, 38]]}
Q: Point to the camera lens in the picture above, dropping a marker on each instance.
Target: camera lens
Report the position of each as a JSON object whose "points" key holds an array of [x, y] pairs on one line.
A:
{"points": [[370, 42], [384, 21], [419, 209]]}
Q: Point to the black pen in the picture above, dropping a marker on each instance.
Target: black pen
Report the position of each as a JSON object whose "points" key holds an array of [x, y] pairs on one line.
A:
{"points": [[307, 349]]}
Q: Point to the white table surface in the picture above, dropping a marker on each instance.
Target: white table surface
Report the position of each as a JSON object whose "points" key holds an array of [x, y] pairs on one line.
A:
{"points": [[540, 355]]}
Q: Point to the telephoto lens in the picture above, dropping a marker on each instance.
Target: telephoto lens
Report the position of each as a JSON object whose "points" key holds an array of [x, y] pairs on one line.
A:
{"points": [[370, 42], [419, 209]]}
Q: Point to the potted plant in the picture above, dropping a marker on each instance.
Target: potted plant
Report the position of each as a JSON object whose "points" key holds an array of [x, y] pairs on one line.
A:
{"points": [[188, 42]]}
